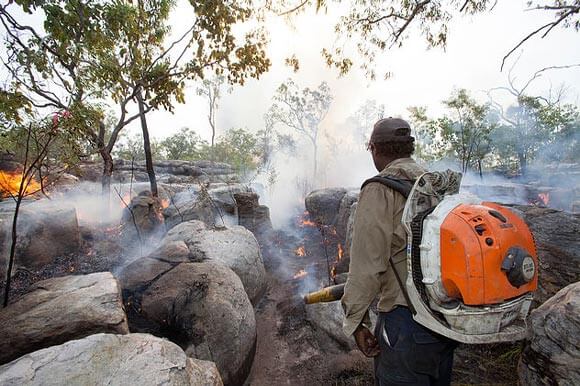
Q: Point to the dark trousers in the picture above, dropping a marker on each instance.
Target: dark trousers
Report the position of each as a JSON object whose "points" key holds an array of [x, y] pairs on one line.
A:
{"points": [[410, 353]]}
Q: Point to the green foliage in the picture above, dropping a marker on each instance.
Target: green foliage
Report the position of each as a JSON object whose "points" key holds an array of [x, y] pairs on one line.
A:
{"points": [[428, 145], [184, 145], [369, 27], [13, 107], [366, 28], [534, 127], [237, 147], [464, 133], [131, 148]]}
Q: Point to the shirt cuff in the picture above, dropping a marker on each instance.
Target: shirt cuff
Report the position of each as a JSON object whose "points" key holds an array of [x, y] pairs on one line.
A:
{"points": [[350, 324]]}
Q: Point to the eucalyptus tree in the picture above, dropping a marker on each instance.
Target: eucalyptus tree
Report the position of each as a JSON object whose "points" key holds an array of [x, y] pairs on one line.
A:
{"points": [[93, 51], [532, 124], [464, 132], [301, 110]]}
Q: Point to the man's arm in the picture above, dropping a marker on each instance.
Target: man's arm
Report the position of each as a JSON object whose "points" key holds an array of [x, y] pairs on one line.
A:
{"points": [[370, 250]]}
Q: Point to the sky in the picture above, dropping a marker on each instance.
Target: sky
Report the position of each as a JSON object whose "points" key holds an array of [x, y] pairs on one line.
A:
{"points": [[420, 76]]}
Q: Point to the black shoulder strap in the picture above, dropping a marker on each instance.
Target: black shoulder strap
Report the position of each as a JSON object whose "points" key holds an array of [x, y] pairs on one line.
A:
{"points": [[397, 184], [404, 187]]}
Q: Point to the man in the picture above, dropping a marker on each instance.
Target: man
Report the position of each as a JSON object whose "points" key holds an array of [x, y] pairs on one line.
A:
{"points": [[405, 353]]}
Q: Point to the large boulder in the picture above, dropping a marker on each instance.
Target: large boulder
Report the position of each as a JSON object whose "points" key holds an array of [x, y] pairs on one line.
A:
{"points": [[327, 319], [45, 231], [107, 359], [323, 205], [201, 306], [556, 236], [345, 210], [214, 203], [190, 206], [252, 215], [234, 247], [552, 354], [142, 219], [61, 309]]}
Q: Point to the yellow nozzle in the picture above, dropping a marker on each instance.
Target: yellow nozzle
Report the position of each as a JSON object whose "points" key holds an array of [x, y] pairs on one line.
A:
{"points": [[328, 294]]}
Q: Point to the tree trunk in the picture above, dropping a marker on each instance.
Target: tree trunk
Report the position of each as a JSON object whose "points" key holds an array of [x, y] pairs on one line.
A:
{"points": [[106, 178], [12, 249], [315, 171], [523, 162], [147, 146]]}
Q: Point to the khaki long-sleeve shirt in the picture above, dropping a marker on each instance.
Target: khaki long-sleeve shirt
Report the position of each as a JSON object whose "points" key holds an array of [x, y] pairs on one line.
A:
{"points": [[377, 235]]}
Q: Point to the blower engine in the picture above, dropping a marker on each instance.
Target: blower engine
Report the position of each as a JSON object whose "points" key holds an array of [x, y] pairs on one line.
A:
{"points": [[472, 265]]}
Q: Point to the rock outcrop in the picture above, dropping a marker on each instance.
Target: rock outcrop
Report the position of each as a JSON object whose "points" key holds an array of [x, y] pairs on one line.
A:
{"points": [[142, 218], [552, 354], [61, 309], [45, 231], [252, 215], [169, 171], [235, 247], [107, 359], [323, 205], [202, 306]]}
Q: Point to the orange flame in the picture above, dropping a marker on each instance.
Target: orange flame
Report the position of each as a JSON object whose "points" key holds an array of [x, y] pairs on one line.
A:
{"points": [[305, 222], [340, 252], [300, 274], [544, 198], [300, 251], [10, 185], [164, 203]]}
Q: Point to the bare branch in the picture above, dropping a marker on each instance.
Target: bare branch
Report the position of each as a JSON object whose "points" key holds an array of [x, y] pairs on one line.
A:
{"points": [[548, 27]]}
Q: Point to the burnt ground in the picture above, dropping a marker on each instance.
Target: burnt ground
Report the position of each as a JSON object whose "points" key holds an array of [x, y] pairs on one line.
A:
{"points": [[289, 350], [99, 251]]}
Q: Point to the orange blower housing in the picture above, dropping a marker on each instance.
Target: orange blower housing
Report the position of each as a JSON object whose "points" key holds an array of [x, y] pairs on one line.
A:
{"points": [[488, 255]]}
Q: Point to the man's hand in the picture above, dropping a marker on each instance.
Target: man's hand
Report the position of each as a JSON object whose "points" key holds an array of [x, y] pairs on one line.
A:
{"points": [[366, 342]]}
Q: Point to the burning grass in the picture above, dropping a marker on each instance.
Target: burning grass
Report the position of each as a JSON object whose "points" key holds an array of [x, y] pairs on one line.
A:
{"points": [[10, 185]]}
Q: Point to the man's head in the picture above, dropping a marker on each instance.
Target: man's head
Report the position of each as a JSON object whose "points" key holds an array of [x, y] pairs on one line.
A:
{"points": [[391, 139]]}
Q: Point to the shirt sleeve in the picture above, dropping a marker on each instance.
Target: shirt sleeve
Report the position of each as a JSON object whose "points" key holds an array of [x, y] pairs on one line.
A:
{"points": [[369, 253]]}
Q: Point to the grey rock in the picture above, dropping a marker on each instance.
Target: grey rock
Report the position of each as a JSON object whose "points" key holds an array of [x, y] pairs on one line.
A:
{"points": [[142, 219], [61, 309], [552, 354], [252, 215], [345, 210], [205, 308], [45, 231], [327, 319], [107, 359], [141, 272], [199, 207], [323, 205], [235, 247]]}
